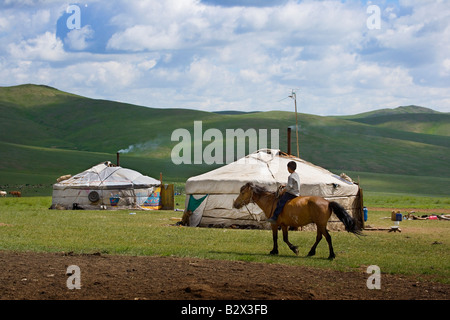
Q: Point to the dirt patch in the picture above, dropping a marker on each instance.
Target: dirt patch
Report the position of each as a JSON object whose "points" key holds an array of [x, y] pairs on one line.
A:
{"points": [[42, 276]]}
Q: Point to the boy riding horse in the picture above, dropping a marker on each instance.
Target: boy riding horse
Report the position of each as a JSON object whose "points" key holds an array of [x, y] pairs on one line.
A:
{"points": [[292, 191]]}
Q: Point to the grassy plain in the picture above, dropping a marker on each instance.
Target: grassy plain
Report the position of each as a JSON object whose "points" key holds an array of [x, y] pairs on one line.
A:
{"points": [[26, 224]]}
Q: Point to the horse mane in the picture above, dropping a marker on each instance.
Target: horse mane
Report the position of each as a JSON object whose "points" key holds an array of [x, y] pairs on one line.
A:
{"points": [[260, 190]]}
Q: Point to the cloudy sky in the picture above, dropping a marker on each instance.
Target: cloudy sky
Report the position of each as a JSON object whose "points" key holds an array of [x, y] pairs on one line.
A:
{"points": [[342, 57]]}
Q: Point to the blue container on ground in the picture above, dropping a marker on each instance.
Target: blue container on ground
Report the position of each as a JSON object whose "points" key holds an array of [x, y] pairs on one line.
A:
{"points": [[365, 213]]}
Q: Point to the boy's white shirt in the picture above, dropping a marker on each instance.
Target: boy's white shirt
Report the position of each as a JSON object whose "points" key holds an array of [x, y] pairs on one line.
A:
{"points": [[293, 184]]}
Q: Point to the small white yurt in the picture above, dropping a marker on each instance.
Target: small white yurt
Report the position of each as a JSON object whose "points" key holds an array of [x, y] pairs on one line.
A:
{"points": [[210, 196], [106, 186]]}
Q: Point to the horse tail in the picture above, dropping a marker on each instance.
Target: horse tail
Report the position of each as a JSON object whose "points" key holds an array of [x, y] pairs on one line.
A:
{"points": [[348, 221]]}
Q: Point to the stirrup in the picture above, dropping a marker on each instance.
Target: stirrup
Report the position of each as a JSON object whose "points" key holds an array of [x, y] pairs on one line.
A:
{"points": [[271, 220]]}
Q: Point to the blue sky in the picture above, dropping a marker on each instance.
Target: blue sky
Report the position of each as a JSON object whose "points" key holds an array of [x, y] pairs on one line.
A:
{"points": [[234, 55]]}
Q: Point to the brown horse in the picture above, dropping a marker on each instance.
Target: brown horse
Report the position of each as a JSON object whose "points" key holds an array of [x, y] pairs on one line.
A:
{"points": [[296, 213]]}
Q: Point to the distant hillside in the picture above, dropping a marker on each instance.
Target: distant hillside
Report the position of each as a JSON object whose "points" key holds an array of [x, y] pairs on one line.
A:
{"points": [[408, 118], [45, 133], [395, 111], [234, 112]]}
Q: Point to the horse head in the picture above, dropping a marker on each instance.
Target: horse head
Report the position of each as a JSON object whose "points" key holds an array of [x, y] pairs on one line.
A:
{"points": [[245, 196]]}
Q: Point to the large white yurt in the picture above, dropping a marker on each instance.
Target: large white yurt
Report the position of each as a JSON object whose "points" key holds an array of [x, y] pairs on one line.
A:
{"points": [[106, 186], [210, 196]]}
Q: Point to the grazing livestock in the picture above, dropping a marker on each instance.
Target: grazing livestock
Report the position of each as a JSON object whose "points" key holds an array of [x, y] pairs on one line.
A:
{"points": [[15, 193], [3, 193]]}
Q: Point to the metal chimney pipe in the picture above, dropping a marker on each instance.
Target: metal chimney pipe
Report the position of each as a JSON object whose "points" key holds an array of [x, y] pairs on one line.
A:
{"points": [[289, 141], [118, 159]]}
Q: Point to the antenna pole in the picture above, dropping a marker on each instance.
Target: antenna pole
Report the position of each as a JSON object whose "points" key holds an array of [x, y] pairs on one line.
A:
{"points": [[294, 96]]}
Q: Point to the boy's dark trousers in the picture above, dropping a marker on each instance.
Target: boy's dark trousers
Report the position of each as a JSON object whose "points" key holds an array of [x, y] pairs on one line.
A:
{"points": [[284, 198]]}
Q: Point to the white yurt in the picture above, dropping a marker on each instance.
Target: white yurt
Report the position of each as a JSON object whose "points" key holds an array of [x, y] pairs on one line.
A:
{"points": [[106, 186], [210, 196]]}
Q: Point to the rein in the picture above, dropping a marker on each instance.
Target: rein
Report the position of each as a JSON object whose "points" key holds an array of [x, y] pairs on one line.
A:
{"points": [[252, 201]]}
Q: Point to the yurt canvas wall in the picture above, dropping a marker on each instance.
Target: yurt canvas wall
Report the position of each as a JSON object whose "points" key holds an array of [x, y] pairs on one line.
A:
{"points": [[106, 186], [210, 196]]}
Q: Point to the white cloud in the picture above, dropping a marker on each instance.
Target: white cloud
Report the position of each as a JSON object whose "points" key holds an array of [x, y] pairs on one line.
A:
{"points": [[147, 64], [446, 67], [77, 39], [143, 37], [44, 47], [192, 54]]}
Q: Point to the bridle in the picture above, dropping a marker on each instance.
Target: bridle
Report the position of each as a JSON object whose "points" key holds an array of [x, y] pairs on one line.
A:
{"points": [[250, 201], [253, 201]]}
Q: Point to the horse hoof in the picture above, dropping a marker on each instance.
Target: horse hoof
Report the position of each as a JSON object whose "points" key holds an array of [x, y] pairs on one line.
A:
{"points": [[331, 257], [310, 254], [295, 250], [274, 252]]}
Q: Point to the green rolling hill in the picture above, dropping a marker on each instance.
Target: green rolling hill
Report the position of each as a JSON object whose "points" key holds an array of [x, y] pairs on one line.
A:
{"points": [[410, 119], [46, 133]]}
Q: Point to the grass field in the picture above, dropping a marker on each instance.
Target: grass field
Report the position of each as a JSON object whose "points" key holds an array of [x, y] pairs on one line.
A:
{"points": [[26, 224]]}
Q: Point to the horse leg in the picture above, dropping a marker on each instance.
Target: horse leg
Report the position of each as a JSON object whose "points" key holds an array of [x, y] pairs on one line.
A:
{"points": [[275, 239], [318, 238], [330, 245], [285, 239]]}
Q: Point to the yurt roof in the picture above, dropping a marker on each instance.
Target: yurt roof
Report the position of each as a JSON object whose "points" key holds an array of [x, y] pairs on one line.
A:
{"points": [[266, 167], [105, 175]]}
